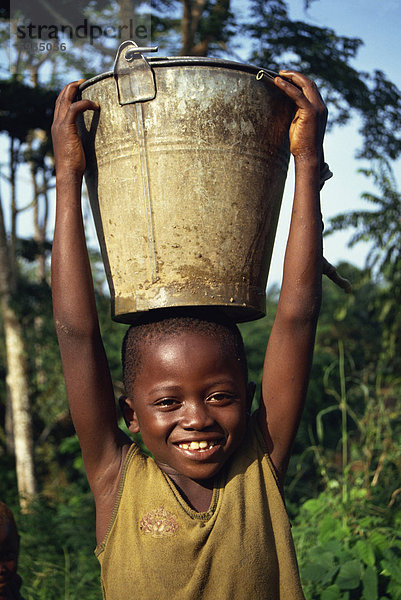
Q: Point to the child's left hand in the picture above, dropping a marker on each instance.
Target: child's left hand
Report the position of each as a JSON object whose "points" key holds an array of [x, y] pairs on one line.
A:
{"points": [[309, 124]]}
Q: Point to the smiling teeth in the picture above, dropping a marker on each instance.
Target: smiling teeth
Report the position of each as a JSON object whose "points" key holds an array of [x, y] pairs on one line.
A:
{"points": [[197, 445]]}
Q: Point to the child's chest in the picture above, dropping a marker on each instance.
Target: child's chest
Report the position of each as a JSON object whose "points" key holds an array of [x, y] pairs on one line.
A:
{"points": [[198, 495]]}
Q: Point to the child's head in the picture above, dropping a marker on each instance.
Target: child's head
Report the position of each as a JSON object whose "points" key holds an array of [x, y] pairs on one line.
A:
{"points": [[9, 548], [185, 376]]}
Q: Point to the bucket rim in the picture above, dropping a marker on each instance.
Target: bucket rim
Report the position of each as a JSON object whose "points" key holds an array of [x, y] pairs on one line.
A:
{"points": [[180, 61]]}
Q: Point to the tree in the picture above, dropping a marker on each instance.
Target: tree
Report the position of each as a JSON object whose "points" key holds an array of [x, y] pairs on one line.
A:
{"points": [[325, 56], [17, 380], [23, 109], [381, 226]]}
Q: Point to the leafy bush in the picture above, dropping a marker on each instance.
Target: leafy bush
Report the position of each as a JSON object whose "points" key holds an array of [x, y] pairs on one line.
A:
{"points": [[56, 554], [346, 553], [348, 538]]}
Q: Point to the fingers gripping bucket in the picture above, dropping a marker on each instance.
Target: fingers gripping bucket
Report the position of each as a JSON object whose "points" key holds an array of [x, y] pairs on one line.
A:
{"points": [[186, 164]]}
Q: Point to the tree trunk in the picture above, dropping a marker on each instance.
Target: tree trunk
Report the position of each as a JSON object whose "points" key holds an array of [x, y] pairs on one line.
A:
{"points": [[39, 235], [39, 229], [8, 424], [17, 379], [192, 13], [17, 384]]}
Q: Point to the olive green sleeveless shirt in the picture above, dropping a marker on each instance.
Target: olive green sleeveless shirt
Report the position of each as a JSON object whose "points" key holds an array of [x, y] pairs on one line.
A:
{"points": [[158, 548]]}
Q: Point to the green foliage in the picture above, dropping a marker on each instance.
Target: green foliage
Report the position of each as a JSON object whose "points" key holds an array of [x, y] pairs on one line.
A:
{"points": [[348, 537], [381, 227], [353, 320], [256, 335], [346, 515], [381, 224], [344, 552], [56, 554]]}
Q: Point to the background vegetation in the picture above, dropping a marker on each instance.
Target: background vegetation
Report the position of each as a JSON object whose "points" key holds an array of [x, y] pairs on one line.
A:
{"points": [[343, 487]]}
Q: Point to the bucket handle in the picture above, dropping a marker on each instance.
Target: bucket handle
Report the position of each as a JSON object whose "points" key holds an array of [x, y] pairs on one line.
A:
{"points": [[265, 72], [134, 78]]}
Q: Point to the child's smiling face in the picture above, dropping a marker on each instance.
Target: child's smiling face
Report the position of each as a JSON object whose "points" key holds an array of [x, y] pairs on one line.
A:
{"points": [[189, 401]]}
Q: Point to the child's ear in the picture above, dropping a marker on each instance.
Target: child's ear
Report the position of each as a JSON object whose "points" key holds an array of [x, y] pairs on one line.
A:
{"points": [[129, 414], [250, 393]]}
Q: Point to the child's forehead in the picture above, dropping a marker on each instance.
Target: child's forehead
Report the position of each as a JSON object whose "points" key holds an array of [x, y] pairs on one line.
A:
{"points": [[200, 341], [189, 359]]}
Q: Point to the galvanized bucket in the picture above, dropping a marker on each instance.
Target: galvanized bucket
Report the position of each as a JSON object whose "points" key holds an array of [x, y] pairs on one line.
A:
{"points": [[186, 164]]}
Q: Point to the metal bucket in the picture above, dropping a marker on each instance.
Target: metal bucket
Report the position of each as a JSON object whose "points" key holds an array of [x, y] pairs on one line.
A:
{"points": [[186, 164]]}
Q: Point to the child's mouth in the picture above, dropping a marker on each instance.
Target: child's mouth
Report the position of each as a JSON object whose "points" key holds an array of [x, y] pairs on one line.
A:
{"points": [[201, 446]]}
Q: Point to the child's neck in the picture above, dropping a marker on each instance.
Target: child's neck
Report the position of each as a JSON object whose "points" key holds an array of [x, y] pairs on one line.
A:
{"points": [[198, 494]]}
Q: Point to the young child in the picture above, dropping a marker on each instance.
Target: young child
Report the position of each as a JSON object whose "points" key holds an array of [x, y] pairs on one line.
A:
{"points": [[10, 581], [205, 518]]}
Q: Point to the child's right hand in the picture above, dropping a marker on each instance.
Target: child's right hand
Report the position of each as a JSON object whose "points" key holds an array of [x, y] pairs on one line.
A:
{"points": [[68, 152]]}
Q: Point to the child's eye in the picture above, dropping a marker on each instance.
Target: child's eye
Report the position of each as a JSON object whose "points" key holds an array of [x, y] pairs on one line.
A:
{"points": [[166, 402], [221, 398]]}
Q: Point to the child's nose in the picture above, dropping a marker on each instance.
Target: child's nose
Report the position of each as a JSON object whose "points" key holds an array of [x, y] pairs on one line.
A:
{"points": [[196, 416]]}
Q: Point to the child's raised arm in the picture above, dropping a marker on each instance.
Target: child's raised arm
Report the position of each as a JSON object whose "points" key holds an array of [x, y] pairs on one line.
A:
{"points": [[86, 371], [290, 348]]}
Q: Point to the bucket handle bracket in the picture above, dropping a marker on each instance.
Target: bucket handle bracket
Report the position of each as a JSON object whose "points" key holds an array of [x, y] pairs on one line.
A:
{"points": [[134, 77]]}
